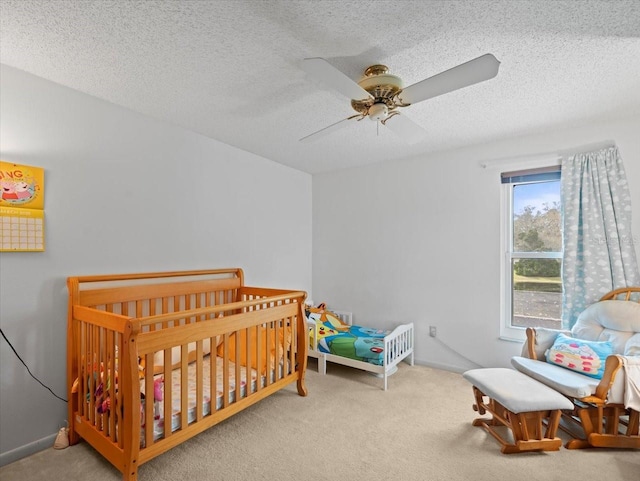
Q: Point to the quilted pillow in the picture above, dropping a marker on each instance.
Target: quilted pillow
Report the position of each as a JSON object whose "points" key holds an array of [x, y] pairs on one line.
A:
{"points": [[585, 357]]}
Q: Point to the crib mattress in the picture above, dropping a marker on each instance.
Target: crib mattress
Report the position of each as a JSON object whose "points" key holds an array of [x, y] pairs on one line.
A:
{"points": [[176, 404]]}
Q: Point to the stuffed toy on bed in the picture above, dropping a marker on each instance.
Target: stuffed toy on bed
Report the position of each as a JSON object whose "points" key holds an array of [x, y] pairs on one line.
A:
{"points": [[321, 315]]}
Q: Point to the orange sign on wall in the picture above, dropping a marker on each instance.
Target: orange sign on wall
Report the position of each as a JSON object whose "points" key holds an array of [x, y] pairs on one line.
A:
{"points": [[21, 207]]}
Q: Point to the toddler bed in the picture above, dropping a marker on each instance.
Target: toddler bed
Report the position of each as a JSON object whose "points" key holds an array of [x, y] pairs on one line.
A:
{"points": [[334, 338], [154, 359]]}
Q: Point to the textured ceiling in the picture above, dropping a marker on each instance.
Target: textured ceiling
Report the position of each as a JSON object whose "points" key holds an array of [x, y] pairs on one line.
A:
{"points": [[231, 70]]}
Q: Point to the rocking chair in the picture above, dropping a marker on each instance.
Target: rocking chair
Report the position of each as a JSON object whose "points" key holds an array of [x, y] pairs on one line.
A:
{"points": [[607, 408]]}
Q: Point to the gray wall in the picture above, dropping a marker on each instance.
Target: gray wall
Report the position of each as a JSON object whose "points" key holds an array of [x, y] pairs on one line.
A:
{"points": [[125, 193], [419, 240]]}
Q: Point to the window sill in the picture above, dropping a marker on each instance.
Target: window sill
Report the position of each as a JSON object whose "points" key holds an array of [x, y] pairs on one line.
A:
{"points": [[511, 339]]}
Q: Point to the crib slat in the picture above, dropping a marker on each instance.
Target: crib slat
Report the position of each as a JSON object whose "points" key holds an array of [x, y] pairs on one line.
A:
{"points": [[82, 368], [294, 344], [266, 369], [276, 360], [225, 371], [92, 369], [238, 373], [187, 306], [258, 357], [113, 367], [118, 397], [165, 310], [198, 302], [104, 377], [248, 387], [199, 381], [149, 401], [152, 306], [184, 387], [168, 394], [213, 381]]}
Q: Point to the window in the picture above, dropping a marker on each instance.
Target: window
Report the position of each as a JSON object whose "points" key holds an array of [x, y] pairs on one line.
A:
{"points": [[532, 247]]}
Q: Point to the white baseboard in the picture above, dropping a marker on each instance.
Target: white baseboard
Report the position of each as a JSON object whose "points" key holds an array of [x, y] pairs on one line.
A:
{"points": [[444, 367], [28, 449]]}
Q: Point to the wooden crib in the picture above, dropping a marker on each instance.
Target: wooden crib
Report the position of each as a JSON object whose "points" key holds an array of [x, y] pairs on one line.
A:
{"points": [[154, 359]]}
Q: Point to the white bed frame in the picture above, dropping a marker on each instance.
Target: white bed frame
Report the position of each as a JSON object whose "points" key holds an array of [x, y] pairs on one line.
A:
{"points": [[398, 346]]}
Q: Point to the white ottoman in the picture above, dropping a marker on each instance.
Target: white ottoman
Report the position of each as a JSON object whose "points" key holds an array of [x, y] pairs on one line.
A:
{"points": [[520, 403]]}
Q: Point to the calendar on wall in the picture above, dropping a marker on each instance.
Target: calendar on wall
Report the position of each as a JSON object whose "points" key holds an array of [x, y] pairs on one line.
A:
{"points": [[21, 208], [21, 229]]}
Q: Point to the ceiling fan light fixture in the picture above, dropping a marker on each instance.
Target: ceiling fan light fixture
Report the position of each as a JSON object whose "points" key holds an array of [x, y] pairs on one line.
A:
{"points": [[378, 111]]}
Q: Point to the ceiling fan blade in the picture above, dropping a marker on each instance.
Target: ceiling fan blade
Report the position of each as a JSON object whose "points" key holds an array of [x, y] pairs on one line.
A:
{"points": [[325, 72], [469, 73], [327, 130], [406, 128]]}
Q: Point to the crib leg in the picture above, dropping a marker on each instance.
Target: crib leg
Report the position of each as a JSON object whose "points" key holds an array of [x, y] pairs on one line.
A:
{"points": [[130, 471], [302, 388], [72, 408], [130, 476]]}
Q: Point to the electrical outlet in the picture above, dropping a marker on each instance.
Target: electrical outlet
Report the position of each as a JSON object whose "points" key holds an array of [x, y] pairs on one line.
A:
{"points": [[432, 331]]}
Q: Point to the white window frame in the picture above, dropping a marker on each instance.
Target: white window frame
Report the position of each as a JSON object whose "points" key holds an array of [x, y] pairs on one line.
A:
{"points": [[507, 331]]}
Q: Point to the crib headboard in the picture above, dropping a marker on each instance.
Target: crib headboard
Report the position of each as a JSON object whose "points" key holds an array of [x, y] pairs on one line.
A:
{"points": [[134, 294]]}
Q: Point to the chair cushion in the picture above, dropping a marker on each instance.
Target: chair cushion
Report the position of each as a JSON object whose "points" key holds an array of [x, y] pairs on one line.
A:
{"points": [[585, 357], [614, 321], [515, 391], [569, 383], [632, 347]]}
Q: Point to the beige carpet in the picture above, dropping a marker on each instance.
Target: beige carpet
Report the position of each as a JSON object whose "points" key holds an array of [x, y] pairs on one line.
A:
{"points": [[347, 428]]}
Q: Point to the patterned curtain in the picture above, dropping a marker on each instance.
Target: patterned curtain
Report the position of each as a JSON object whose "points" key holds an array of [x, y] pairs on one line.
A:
{"points": [[599, 254]]}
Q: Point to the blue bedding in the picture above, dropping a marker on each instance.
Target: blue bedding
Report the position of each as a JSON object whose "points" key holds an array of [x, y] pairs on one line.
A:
{"points": [[354, 342]]}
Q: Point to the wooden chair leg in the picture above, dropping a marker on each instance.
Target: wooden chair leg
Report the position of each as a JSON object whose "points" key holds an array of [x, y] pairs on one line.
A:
{"points": [[603, 427], [633, 426], [612, 420], [553, 423], [479, 404]]}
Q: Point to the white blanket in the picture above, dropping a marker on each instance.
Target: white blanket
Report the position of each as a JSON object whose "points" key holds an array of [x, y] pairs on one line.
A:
{"points": [[631, 366]]}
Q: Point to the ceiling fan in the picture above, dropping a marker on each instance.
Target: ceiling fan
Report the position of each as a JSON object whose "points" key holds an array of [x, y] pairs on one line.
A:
{"points": [[379, 95]]}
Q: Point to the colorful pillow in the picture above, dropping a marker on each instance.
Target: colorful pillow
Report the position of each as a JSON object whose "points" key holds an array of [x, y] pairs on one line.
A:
{"points": [[585, 357]]}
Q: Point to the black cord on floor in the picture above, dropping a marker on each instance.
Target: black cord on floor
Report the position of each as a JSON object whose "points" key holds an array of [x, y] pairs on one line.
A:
{"points": [[29, 370]]}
